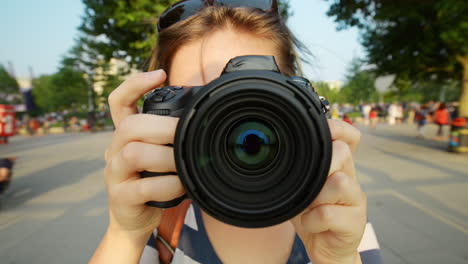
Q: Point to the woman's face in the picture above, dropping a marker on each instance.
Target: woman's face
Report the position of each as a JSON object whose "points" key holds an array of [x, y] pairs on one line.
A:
{"points": [[199, 62]]}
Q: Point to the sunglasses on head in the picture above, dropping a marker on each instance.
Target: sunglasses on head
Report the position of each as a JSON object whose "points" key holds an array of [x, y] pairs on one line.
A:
{"points": [[187, 8]]}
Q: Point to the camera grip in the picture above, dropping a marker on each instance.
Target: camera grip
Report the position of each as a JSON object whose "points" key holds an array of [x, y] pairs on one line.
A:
{"points": [[166, 204]]}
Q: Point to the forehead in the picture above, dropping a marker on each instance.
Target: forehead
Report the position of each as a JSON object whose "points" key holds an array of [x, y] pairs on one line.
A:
{"points": [[201, 61]]}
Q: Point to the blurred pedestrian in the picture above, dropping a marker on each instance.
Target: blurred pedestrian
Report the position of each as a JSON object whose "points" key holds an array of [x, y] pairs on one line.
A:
{"points": [[373, 117], [399, 113], [392, 114], [453, 110], [6, 171], [441, 118], [421, 119], [411, 114], [46, 125], [75, 125], [366, 108]]}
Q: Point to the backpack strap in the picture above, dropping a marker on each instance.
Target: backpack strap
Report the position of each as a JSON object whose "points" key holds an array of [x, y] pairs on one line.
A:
{"points": [[169, 231]]}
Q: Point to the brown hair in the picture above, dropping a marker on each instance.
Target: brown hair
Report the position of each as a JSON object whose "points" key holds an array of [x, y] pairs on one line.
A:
{"points": [[210, 19]]}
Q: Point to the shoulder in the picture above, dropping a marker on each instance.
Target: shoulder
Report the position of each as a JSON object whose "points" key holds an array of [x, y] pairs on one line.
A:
{"points": [[369, 248]]}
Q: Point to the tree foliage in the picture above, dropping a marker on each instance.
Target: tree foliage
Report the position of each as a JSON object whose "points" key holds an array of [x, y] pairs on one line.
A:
{"points": [[8, 85], [359, 86], [409, 36], [65, 89], [420, 39], [332, 95], [404, 90]]}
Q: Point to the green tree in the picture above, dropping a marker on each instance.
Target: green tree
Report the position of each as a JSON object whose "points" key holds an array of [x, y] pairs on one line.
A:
{"points": [[424, 40], [332, 95], [359, 86], [110, 83], [404, 90], [8, 85], [65, 89]]}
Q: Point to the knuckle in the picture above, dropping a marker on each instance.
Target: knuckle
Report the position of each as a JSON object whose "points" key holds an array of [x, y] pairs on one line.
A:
{"points": [[341, 181], [117, 194], [111, 168], [126, 124], [113, 193], [142, 192], [130, 152], [335, 126], [113, 98], [324, 214], [343, 147]]}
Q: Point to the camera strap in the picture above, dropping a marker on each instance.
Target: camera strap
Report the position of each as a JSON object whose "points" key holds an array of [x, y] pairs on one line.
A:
{"points": [[169, 230]]}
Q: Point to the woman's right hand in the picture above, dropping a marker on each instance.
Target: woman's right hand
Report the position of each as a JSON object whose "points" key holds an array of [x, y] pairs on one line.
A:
{"points": [[139, 144]]}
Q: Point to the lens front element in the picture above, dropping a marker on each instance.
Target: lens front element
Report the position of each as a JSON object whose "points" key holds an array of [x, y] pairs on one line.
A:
{"points": [[252, 144]]}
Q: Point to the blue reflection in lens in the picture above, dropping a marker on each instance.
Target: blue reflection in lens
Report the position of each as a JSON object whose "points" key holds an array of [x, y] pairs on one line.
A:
{"points": [[251, 141]]}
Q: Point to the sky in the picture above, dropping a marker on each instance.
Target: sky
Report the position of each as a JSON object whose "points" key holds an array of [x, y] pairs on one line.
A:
{"points": [[38, 33]]}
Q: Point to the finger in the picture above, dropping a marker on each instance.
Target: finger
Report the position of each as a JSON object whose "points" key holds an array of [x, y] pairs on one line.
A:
{"points": [[136, 157], [140, 191], [122, 100], [339, 189], [342, 159], [345, 132], [335, 218], [153, 129]]}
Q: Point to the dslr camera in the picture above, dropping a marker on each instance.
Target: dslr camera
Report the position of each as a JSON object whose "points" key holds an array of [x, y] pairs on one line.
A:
{"points": [[252, 147]]}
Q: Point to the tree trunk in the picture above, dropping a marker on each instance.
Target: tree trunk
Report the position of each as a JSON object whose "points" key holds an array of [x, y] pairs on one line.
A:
{"points": [[463, 110]]}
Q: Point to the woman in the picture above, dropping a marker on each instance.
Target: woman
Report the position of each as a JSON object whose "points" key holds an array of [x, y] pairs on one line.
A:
{"points": [[193, 50]]}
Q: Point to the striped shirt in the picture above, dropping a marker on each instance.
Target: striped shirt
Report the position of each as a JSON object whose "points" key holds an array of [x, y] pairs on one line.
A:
{"points": [[195, 248]]}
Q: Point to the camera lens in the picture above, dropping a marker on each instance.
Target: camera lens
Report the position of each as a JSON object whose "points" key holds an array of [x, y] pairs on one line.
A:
{"points": [[252, 144], [252, 153]]}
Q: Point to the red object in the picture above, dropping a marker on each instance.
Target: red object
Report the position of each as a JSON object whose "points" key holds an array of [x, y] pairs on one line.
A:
{"points": [[7, 121], [442, 116], [459, 122], [347, 119], [373, 114]]}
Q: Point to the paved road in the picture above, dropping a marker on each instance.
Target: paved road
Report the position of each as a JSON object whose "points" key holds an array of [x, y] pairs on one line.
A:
{"points": [[55, 210]]}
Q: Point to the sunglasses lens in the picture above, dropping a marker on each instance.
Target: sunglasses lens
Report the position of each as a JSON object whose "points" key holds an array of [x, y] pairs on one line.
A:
{"points": [[179, 12], [187, 8], [264, 5]]}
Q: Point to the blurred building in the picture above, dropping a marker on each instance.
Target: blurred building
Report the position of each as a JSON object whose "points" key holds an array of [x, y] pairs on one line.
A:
{"points": [[25, 86], [113, 68], [334, 85]]}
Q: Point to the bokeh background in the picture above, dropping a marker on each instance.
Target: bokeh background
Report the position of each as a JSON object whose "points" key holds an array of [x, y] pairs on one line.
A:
{"points": [[397, 70]]}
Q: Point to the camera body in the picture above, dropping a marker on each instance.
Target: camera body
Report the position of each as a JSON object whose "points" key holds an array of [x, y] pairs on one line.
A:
{"points": [[252, 147], [171, 100]]}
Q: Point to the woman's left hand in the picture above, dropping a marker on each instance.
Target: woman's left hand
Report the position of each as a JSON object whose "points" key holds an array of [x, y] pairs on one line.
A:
{"points": [[331, 228]]}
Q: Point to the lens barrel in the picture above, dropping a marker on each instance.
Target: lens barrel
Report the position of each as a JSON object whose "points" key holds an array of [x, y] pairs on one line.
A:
{"points": [[253, 152]]}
